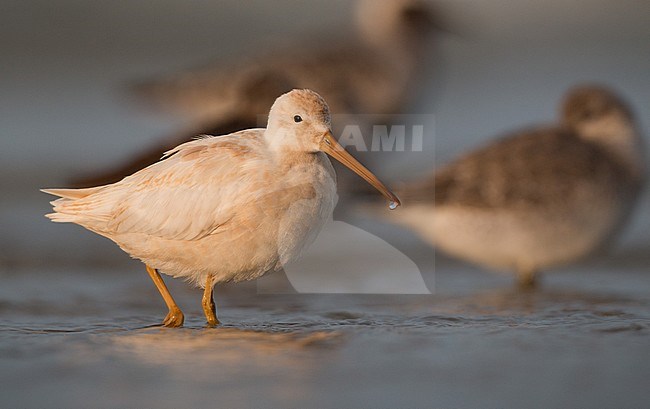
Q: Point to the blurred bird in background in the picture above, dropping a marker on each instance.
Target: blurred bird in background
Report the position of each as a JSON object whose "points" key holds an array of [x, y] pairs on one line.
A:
{"points": [[537, 198], [372, 73]]}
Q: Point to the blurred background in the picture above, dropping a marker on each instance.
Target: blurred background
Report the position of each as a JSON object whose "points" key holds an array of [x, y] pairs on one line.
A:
{"points": [[495, 66], [491, 67]]}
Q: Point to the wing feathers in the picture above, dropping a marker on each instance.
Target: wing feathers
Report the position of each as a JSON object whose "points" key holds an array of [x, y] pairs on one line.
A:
{"points": [[193, 193]]}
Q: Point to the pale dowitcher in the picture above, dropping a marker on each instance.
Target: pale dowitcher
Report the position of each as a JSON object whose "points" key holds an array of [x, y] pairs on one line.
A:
{"points": [[226, 208]]}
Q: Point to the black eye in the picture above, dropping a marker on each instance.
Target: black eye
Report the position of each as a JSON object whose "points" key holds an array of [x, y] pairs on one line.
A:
{"points": [[297, 118]]}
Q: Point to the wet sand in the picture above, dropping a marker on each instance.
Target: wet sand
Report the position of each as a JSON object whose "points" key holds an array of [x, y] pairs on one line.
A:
{"points": [[83, 338]]}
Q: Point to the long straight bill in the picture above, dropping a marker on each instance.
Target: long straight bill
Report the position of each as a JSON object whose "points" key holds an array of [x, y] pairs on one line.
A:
{"points": [[331, 147]]}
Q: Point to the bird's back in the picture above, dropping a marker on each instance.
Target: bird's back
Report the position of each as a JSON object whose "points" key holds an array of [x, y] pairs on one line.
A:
{"points": [[543, 167], [207, 168], [352, 77]]}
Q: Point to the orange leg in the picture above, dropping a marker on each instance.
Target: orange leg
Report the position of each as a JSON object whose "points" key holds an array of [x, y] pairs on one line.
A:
{"points": [[208, 303], [175, 316]]}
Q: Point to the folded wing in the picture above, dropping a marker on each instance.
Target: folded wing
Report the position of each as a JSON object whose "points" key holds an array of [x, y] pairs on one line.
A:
{"points": [[194, 192]]}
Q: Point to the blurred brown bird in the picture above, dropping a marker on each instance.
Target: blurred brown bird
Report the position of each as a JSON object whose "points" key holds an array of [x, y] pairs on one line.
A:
{"points": [[372, 73], [537, 198]]}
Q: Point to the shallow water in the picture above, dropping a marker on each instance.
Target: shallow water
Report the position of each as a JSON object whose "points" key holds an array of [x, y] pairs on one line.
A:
{"points": [[74, 338], [80, 336]]}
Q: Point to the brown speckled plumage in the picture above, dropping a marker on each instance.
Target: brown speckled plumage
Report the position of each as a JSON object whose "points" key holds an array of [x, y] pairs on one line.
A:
{"points": [[541, 167], [539, 197]]}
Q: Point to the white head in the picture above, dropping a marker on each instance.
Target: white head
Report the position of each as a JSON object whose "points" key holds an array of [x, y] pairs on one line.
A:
{"points": [[300, 123]]}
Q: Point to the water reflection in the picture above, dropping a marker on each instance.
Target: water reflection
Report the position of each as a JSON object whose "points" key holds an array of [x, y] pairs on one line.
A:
{"points": [[228, 347], [274, 363]]}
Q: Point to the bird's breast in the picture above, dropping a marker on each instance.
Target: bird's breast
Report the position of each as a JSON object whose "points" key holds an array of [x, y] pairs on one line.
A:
{"points": [[309, 197]]}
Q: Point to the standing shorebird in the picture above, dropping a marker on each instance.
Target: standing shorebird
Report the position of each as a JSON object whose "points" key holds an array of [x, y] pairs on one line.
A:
{"points": [[537, 198], [372, 72], [226, 208]]}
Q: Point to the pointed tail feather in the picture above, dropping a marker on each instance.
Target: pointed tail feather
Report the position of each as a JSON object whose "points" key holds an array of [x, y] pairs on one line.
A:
{"points": [[61, 217], [62, 213], [71, 193]]}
